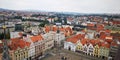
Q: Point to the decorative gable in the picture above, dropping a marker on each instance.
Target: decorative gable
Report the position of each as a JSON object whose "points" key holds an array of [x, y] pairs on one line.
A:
{"points": [[85, 48]]}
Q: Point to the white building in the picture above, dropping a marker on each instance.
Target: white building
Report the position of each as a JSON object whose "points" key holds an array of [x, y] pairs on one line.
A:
{"points": [[31, 52], [85, 47], [49, 40], [15, 34], [59, 37], [90, 35], [90, 49], [69, 46], [36, 46], [35, 30]]}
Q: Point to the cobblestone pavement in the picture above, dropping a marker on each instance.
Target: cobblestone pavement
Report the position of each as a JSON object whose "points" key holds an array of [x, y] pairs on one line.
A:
{"points": [[69, 55]]}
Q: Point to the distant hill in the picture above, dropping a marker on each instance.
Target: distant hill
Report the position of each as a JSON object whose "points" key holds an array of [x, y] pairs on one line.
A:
{"points": [[67, 13], [2, 9]]}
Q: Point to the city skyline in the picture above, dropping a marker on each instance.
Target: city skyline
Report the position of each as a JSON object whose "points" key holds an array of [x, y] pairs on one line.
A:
{"points": [[28, 32], [81, 6]]}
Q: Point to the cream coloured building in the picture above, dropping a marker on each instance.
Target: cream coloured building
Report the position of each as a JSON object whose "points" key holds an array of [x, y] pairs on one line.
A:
{"points": [[49, 40]]}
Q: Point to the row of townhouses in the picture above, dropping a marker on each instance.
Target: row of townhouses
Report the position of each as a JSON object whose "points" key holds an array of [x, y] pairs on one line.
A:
{"points": [[31, 46], [94, 43]]}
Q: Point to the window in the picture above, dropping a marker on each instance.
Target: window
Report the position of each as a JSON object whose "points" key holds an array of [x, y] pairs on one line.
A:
{"points": [[85, 49], [90, 49]]}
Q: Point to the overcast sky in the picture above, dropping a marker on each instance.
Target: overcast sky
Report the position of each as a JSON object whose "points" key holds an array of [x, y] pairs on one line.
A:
{"points": [[81, 6]]}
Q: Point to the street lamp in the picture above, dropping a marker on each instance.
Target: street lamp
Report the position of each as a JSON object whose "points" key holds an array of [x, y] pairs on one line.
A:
{"points": [[5, 55]]}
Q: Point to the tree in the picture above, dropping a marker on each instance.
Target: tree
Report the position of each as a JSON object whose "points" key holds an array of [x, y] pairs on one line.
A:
{"points": [[1, 35], [65, 20], [41, 24], [18, 17], [8, 34]]}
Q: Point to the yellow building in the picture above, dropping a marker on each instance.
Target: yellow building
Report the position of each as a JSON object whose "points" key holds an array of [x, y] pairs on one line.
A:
{"points": [[113, 31], [79, 46], [21, 54], [19, 49], [96, 51]]}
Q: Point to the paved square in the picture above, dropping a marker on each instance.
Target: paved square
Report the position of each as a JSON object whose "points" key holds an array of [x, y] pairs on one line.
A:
{"points": [[58, 55]]}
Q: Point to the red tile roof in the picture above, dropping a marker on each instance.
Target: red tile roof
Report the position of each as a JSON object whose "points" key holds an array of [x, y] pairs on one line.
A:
{"points": [[105, 44], [15, 39], [36, 38], [107, 31], [75, 38], [47, 29], [90, 24], [80, 36], [54, 28], [108, 40], [116, 22], [18, 43], [21, 43], [102, 35], [94, 42], [62, 29], [114, 44], [84, 41], [100, 27], [69, 29]]}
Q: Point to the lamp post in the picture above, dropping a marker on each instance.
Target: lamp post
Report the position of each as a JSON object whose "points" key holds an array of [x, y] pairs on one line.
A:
{"points": [[58, 41], [5, 55]]}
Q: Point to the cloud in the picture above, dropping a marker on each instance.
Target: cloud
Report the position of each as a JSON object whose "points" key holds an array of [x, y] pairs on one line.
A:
{"points": [[82, 6]]}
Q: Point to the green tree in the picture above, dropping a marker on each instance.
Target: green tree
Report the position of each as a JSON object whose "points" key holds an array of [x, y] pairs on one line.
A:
{"points": [[8, 34], [46, 22], [42, 24], [18, 17], [1, 35]]}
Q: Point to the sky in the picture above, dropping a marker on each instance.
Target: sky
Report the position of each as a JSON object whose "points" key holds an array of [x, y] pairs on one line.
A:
{"points": [[81, 6]]}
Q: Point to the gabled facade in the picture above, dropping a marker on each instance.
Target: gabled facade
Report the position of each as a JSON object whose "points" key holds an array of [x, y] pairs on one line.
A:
{"points": [[85, 47], [70, 46], [73, 42], [90, 49], [104, 50], [79, 46], [96, 51]]}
